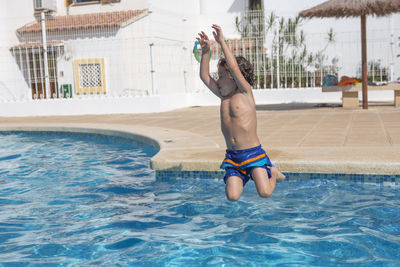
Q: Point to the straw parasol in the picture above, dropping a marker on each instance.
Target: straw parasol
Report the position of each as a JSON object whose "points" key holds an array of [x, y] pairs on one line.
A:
{"points": [[355, 8]]}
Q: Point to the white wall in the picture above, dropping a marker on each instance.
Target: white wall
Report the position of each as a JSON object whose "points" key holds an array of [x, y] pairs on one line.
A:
{"points": [[135, 72], [160, 103], [12, 13], [222, 12]]}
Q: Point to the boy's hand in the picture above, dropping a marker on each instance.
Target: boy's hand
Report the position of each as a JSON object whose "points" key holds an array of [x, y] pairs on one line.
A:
{"points": [[204, 42], [218, 36]]}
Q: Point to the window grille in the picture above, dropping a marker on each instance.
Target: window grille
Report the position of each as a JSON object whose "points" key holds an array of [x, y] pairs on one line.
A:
{"points": [[89, 75]]}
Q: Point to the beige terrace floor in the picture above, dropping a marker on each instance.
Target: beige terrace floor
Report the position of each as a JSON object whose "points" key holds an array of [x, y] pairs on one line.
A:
{"points": [[297, 137]]}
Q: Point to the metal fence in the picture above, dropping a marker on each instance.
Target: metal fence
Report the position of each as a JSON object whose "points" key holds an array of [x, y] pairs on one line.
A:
{"points": [[284, 55], [131, 53]]}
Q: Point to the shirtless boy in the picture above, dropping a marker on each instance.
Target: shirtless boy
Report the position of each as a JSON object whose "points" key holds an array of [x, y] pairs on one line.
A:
{"points": [[244, 159]]}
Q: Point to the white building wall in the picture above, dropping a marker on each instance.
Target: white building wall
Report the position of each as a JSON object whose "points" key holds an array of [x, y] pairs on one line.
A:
{"points": [[12, 83], [135, 73], [127, 54], [221, 12]]}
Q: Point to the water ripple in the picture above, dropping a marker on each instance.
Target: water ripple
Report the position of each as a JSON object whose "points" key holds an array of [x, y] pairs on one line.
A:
{"points": [[96, 203], [9, 157]]}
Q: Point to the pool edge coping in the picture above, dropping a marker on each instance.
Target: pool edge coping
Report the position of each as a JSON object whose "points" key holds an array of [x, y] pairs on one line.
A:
{"points": [[173, 145]]}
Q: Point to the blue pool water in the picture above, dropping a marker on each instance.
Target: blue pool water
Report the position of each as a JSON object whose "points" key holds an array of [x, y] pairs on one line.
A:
{"points": [[90, 200]]}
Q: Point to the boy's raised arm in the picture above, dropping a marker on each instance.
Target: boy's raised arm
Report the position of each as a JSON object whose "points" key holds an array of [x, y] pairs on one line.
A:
{"points": [[233, 66], [205, 64]]}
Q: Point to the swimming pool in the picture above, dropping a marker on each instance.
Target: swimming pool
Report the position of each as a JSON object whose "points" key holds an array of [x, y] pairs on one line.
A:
{"points": [[86, 199]]}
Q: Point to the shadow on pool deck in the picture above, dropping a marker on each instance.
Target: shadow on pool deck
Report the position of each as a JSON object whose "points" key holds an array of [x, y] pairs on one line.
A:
{"points": [[298, 137], [296, 106]]}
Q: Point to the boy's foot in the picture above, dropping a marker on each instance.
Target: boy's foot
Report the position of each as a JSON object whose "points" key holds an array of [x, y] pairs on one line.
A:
{"points": [[279, 176]]}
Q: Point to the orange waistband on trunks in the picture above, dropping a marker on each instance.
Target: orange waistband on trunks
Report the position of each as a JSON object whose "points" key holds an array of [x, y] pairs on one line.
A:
{"points": [[244, 162]]}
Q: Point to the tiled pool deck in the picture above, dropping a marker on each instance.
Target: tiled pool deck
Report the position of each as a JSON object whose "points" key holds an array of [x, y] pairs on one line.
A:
{"points": [[302, 139]]}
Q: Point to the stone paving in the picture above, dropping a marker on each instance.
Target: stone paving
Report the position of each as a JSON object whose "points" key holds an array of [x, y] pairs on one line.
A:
{"points": [[297, 137]]}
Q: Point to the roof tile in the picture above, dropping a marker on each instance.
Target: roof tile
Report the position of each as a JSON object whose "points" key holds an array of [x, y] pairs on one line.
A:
{"points": [[84, 21]]}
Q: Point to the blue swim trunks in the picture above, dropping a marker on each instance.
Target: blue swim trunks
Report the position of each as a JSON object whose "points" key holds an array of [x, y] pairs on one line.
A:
{"points": [[241, 163]]}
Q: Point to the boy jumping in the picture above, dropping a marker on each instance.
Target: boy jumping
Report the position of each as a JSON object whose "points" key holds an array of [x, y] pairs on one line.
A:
{"points": [[244, 159]]}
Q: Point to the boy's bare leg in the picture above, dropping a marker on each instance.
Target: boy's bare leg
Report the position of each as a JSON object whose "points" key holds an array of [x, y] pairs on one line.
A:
{"points": [[280, 176], [265, 186], [233, 188]]}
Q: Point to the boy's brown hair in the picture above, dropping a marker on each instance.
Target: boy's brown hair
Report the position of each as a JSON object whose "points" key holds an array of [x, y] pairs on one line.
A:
{"points": [[246, 68]]}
